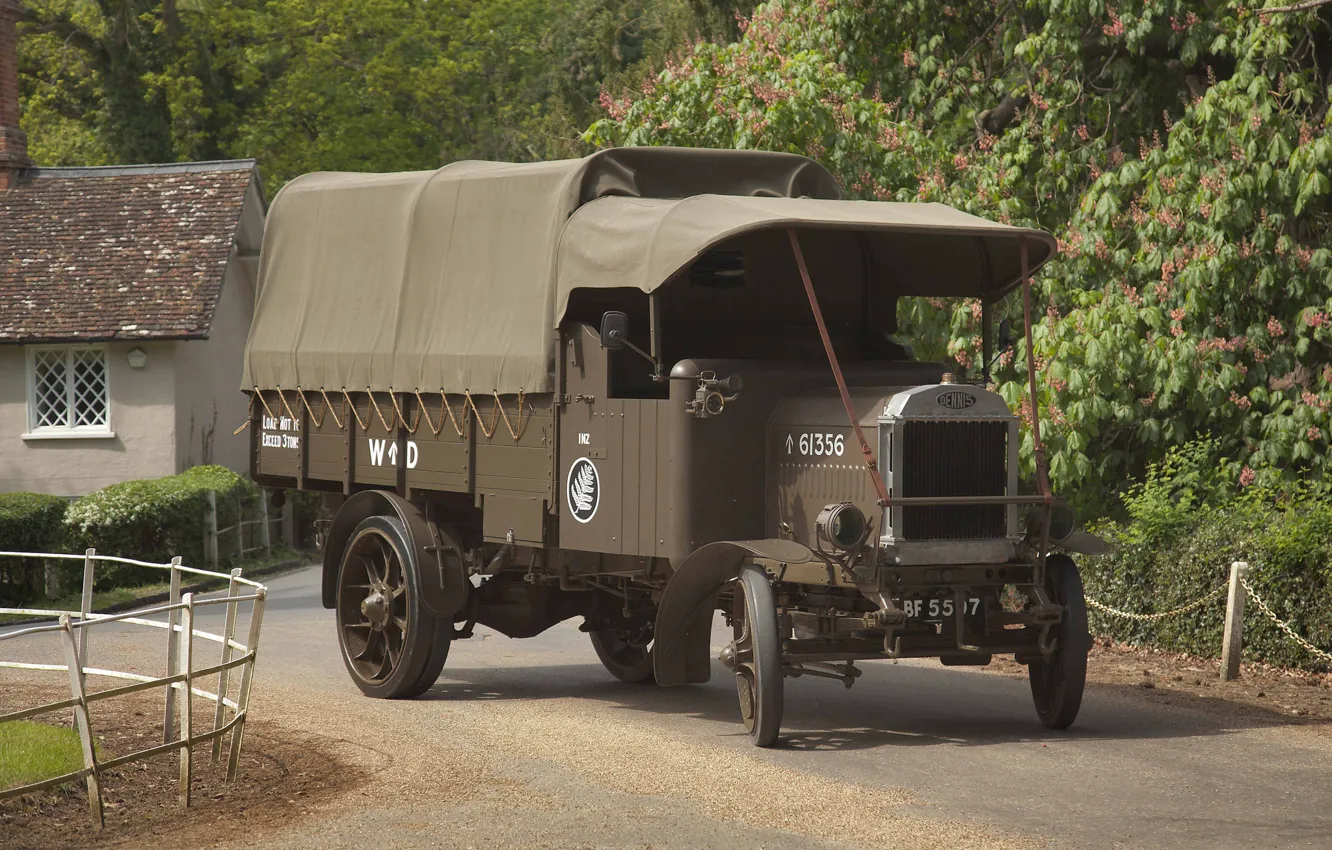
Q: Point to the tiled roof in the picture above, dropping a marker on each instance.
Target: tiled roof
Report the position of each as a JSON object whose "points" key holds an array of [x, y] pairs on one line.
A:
{"points": [[124, 252]]}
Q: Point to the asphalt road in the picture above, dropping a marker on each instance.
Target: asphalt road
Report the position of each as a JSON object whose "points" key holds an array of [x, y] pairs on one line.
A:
{"points": [[531, 743]]}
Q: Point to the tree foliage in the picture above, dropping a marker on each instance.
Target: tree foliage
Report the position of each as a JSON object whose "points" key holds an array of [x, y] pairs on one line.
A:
{"points": [[304, 85], [1178, 149]]}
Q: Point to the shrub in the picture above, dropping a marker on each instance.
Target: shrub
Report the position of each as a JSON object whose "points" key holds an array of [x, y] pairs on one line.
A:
{"points": [[29, 522], [1183, 533], [155, 520]]}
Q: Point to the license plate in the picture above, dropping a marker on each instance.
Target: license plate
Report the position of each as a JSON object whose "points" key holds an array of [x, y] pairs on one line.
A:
{"points": [[939, 609]]}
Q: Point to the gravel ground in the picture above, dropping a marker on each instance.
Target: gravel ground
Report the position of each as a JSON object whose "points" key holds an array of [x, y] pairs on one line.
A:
{"points": [[531, 744]]}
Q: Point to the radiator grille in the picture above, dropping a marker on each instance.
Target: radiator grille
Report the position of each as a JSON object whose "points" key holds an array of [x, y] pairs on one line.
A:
{"points": [[942, 458]]}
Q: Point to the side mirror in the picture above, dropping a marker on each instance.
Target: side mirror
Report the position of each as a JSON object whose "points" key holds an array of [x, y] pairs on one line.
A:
{"points": [[1006, 339], [614, 329]]}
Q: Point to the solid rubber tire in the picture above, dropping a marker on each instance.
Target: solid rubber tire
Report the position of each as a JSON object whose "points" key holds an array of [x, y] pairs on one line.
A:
{"points": [[426, 642], [638, 673], [1057, 685], [761, 612]]}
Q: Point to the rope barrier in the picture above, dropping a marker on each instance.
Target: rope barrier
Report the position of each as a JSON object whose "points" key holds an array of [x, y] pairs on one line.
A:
{"points": [[1129, 615], [1282, 624]]}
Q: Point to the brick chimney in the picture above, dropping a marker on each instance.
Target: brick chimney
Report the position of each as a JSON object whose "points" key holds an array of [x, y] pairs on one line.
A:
{"points": [[13, 142]]}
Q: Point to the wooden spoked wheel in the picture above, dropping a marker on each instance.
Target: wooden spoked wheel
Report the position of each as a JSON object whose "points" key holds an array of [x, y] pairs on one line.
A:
{"points": [[755, 655], [1057, 682], [392, 647]]}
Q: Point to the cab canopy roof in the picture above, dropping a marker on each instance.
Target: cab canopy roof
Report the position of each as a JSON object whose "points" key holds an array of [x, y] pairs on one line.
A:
{"points": [[455, 279]]}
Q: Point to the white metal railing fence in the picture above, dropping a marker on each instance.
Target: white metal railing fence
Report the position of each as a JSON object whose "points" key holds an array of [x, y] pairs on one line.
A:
{"points": [[180, 681], [258, 527], [1237, 591]]}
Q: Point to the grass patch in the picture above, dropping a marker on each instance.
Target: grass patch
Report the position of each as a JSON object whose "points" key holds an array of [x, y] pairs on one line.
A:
{"points": [[31, 752], [253, 568]]}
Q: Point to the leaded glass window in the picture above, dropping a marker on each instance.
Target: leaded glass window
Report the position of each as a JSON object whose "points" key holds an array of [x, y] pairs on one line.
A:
{"points": [[68, 389]]}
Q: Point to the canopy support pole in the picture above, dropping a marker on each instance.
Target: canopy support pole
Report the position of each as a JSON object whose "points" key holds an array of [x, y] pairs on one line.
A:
{"points": [[870, 463], [654, 341], [1038, 450]]}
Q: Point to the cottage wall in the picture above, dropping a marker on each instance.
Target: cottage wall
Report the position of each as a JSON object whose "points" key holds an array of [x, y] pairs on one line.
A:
{"points": [[143, 420], [210, 404]]}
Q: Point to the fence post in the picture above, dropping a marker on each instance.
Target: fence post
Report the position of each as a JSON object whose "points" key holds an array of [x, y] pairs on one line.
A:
{"points": [[187, 698], [289, 524], [75, 665], [1233, 640], [228, 632], [51, 578], [169, 716], [247, 679], [210, 528], [85, 605], [266, 531]]}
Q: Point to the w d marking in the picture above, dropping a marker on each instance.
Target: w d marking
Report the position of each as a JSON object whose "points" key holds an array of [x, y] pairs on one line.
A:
{"points": [[378, 448]]}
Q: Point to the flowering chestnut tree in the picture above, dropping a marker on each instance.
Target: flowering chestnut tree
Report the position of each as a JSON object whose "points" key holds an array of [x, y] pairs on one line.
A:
{"points": [[1178, 149]]}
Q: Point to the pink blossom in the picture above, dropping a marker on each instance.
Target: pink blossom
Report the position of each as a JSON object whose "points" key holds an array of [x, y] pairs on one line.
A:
{"points": [[1242, 402], [1316, 320], [1314, 434], [1115, 28], [1246, 477], [1274, 328]]}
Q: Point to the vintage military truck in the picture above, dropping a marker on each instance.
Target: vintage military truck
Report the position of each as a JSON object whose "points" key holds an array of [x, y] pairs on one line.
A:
{"points": [[643, 386]]}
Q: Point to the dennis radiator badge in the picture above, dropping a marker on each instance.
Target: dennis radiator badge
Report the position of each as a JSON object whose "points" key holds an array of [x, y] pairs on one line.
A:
{"points": [[955, 399], [583, 489]]}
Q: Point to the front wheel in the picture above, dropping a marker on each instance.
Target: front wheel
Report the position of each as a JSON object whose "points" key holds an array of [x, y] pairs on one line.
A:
{"points": [[755, 655], [1057, 682], [392, 646]]}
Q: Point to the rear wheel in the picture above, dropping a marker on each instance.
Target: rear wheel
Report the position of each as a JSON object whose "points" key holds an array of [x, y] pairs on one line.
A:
{"points": [[755, 655], [626, 653], [1057, 682], [392, 647]]}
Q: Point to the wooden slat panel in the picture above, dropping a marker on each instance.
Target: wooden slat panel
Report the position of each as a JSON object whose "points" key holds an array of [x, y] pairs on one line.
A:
{"points": [[631, 465], [647, 479]]}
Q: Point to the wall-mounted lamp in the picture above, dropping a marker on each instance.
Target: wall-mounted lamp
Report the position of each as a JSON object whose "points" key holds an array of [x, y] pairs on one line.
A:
{"points": [[137, 358]]}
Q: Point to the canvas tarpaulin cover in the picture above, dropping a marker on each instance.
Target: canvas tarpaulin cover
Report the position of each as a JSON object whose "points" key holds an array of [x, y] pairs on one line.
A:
{"points": [[455, 279]]}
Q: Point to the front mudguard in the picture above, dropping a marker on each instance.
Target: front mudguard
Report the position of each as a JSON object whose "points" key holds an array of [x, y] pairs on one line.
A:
{"points": [[441, 574], [684, 616]]}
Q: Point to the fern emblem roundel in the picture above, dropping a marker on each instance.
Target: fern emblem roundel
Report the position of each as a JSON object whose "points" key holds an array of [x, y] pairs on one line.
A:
{"points": [[583, 489]]}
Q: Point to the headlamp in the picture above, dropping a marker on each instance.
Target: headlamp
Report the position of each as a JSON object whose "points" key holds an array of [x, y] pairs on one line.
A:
{"points": [[842, 525]]}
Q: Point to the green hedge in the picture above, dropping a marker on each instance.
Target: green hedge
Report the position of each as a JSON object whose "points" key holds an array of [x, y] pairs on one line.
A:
{"points": [[29, 522], [1185, 528], [155, 520]]}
